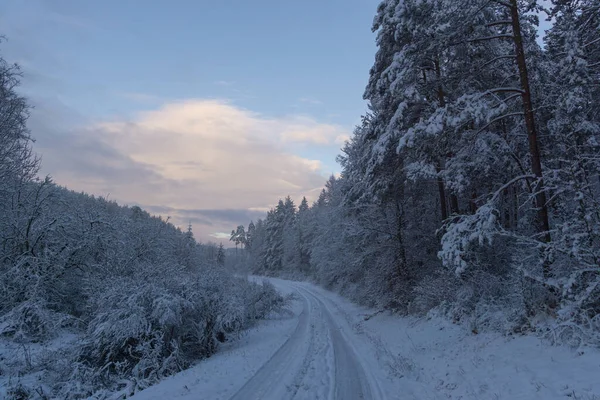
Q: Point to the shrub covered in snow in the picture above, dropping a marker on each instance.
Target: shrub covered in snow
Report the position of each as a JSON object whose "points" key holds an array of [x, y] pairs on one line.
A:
{"points": [[142, 332]]}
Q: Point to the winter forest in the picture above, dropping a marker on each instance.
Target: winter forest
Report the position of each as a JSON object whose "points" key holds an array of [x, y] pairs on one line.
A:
{"points": [[143, 298], [472, 184], [471, 189]]}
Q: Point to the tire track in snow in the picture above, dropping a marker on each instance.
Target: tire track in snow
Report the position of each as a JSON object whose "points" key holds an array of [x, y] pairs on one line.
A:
{"points": [[315, 377], [350, 380], [273, 379], [396, 365]]}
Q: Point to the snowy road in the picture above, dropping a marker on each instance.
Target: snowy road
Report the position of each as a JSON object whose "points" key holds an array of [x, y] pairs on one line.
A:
{"points": [[316, 362]]}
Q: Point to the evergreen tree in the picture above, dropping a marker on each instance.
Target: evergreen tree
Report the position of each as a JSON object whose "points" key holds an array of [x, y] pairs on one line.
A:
{"points": [[221, 255]]}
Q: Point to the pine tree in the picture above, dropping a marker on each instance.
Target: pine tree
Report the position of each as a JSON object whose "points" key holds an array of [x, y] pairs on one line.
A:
{"points": [[573, 127], [274, 226], [250, 235], [221, 255]]}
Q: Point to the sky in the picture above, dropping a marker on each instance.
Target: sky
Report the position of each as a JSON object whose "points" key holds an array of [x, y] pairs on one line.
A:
{"points": [[204, 111]]}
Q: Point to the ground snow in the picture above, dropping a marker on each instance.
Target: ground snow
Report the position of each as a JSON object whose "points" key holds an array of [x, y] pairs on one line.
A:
{"points": [[400, 358], [436, 359], [24, 364]]}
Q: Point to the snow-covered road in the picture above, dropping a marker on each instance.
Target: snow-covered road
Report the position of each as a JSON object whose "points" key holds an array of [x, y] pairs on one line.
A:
{"points": [[327, 348], [316, 362], [311, 354]]}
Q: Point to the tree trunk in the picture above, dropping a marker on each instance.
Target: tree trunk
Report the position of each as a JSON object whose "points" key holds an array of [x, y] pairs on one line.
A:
{"points": [[454, 209], [534, 151], [473, 202], [401, 264], [442, 100], [442, 192]]}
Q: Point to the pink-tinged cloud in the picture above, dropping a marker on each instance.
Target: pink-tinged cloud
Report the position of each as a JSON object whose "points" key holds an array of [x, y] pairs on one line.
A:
{"points": [[204, 161]]}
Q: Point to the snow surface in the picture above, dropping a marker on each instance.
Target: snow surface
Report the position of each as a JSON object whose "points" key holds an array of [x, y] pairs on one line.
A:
{"points": [[329, 348], [30, 360]]}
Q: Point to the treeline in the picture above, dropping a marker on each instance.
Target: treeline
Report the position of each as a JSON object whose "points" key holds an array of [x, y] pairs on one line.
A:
{"points": [[144, 298], [472, 185]]}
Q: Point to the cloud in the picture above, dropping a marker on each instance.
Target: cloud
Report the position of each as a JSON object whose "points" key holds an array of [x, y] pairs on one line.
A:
{"points": [[207, 162], [305, 129], [220, 235], [311, 101], [230, 217], [224, 83], [341, 139], [139, 97]]}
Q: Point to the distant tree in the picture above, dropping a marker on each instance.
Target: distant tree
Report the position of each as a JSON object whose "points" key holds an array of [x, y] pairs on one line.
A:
{"points": [[305, 231], [250, 235], [238, 236], [221, 255], [274, 226]]}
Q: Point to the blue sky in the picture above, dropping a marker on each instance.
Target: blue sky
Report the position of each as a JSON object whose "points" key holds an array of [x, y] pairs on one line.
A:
{"points": [[277, 57], [208, 111]]}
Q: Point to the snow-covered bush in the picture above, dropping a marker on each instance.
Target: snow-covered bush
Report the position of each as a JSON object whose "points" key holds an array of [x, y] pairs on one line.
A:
{"points": [[128, 336], [142, 331], [18, 391], [32, 321], [262, 300], [435, 290]]}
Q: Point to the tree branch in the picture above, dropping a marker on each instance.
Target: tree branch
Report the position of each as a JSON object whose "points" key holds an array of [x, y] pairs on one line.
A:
{"points": [[501, 36], [592, 42], [499, 119], [496, 23], [496, 59], [504, 90]]}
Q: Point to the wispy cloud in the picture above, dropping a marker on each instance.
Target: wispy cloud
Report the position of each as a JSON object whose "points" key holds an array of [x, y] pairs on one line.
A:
{"points": [[228, 217], [224, 83], [310, 100], [140, 97], [307, 130], [220, 235]]}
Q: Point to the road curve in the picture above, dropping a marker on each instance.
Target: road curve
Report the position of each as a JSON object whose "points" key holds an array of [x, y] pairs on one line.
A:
{"points": [[315, 362]]}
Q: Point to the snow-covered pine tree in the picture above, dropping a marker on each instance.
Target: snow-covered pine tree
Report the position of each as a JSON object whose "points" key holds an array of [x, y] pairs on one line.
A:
{"points": [[573, 127], [305, 233], [274, 226]]}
